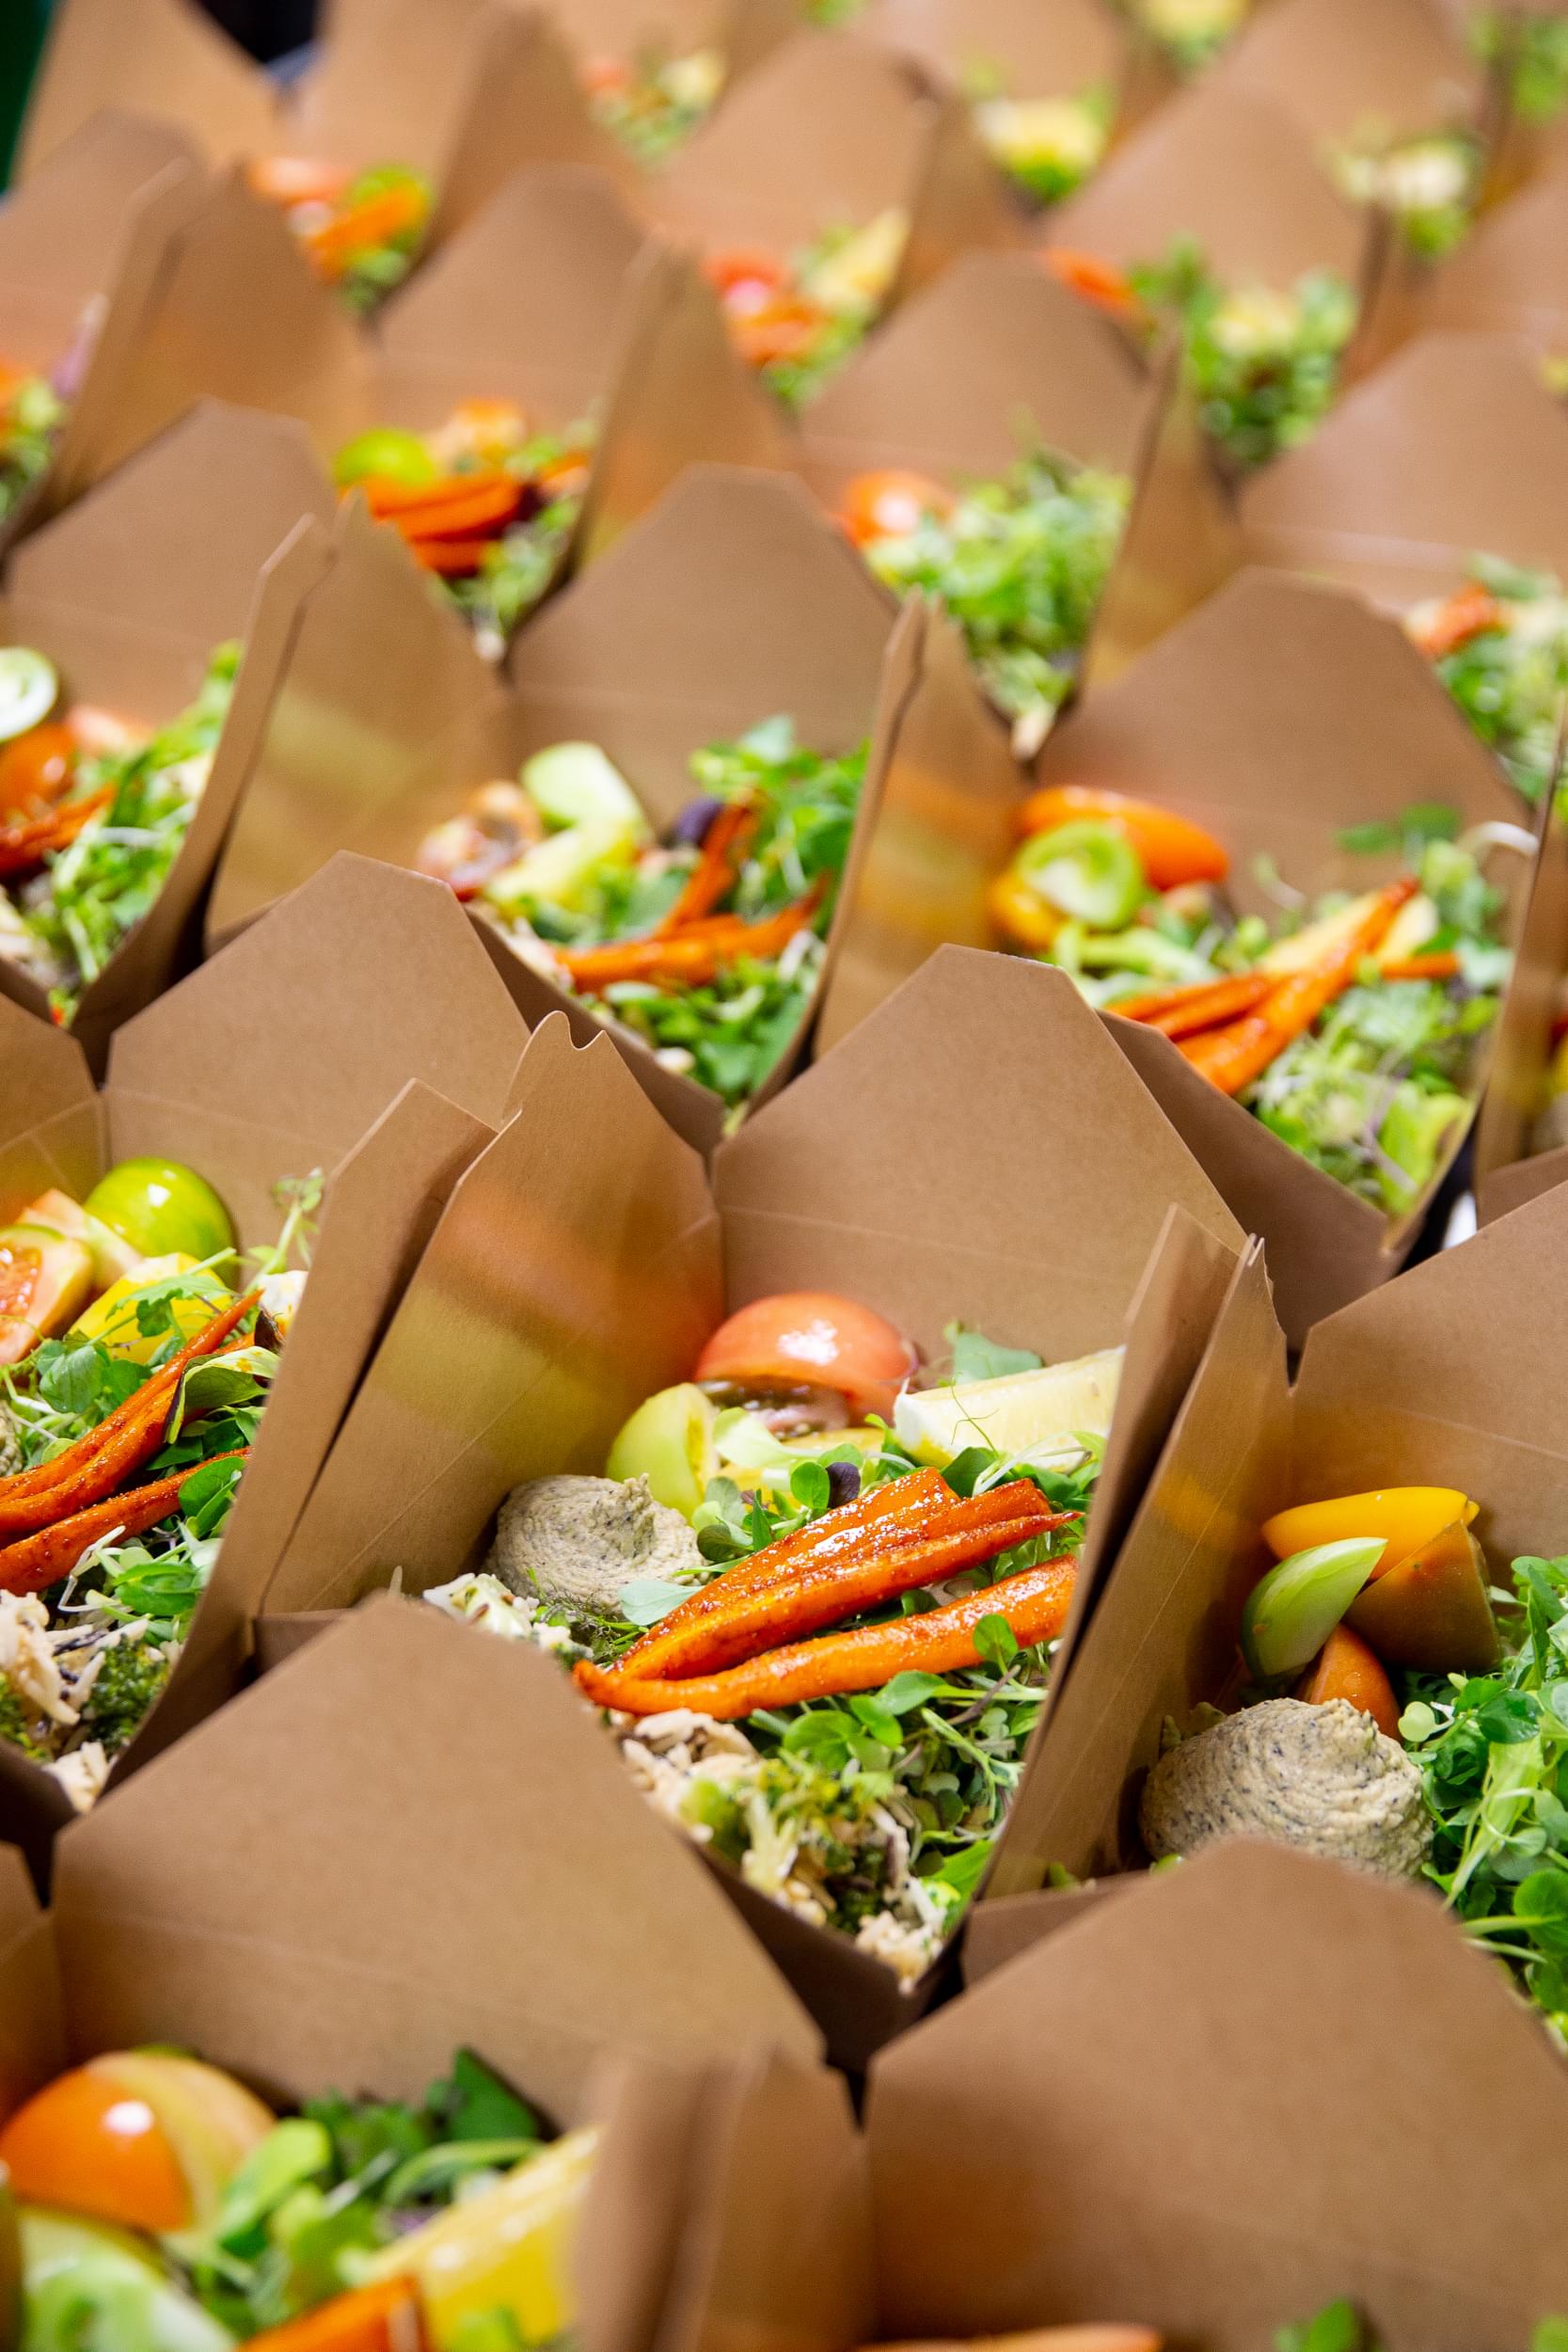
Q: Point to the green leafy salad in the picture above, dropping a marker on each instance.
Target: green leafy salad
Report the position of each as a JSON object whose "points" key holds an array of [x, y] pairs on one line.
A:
{"points": [[1020, 564], [869, 1810], [1263, 360], [1500, 644], [83, 873], [1531, 45], [31, 414], [706, 944]]}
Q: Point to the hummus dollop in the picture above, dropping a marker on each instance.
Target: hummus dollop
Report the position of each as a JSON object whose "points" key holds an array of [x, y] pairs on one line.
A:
{"points": [[1323, 1779], [576, 1541]]}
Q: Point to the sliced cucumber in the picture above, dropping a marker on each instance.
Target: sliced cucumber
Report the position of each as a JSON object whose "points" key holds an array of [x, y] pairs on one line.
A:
{"points": [[29, 689]]}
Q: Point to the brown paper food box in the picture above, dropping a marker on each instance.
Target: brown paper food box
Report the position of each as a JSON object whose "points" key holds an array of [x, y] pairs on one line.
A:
{"points": [[1452, 448], [1441, 1378], [1399, 71], [396, 1920], [1038, 48], [1278, 714], [358, 1029], [1507, 1173], [776, 614], [551, 295], [1511, 274], [954, 384], [993, 1208], [828, 131], [129, 594]]}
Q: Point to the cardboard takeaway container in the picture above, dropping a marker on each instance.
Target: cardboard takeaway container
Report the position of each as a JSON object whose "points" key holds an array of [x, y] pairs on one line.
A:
{"points": [[1142, 2121], [1276, 716], [828, 133], [1396, 71], [552, 295], [1509, 277], [129, 594], [927, 1165], [1023, 49], [1454, 447], [776, 614], [456, 88], [1508, 1173], [303, 1894], [1442, 1379], [996, 355], [358, 1030]]}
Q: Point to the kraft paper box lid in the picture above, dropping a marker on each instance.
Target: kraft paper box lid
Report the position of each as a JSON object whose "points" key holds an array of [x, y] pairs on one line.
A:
{"points": [[1454, 447], [1035, 48], [492, 1373], [129, 594], [828, 131], [1144, 2118], [1399, 71], [1278, 714], [1232, 169], [314, 1041], [1510, 274], [1507, 1174], [159, 57]]}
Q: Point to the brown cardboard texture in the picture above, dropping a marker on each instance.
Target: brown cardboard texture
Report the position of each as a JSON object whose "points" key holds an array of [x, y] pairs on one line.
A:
{"points": [[1454, 447], [1232, 169], [827, 133], [1511, 275], [1278, 714], [129, 594], [494, 1372], [159, 56], [552, 295], [997, 354], [298, 1048], [1396, 71], [1035, 48], [1507, 1174], [1433, 1380], [1022, 2141]]}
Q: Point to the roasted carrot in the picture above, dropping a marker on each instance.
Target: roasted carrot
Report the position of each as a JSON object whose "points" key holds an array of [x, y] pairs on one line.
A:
{"points": [[390, 213], [453, 558], [1035, 1603], [1468, 613], [826, 1590], [488, 508], [29, 843], [387, 2317], [42, 1559], [1171, 849], [694, 955], [715, 870], [1231, 1058], [1100, 282], [122, 1441], [391, 500], [1183, 1011], [1443, 964]]}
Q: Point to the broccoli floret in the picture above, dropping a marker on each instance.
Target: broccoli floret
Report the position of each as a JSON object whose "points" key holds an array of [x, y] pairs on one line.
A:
{"points": [[128, 1681], [19, 1723]]}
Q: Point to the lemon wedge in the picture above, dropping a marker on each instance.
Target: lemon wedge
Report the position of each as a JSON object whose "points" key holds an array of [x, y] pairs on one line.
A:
{"points": [[1035, 1416]]}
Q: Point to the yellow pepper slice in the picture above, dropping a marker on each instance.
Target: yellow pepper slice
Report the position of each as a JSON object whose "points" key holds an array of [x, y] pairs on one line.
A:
{"points": [[1019, 913], [1405, 1516]]}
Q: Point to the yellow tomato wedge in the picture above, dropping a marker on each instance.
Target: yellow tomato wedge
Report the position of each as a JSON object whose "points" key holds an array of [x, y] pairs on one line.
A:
{"points": [[112, 1316], [1405, 1516]]}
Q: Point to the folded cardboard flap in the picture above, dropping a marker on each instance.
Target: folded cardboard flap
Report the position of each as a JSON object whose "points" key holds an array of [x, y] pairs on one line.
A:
{"points": [[1517, 1085], [1232, 169], [944, 825], [825, 134], [1454, 446], [398, 1914], [1068, 49], [1397, 71], [1196, 2039], [575, 1271], [32, 2021], [977, 1069], [1509, 275], [163, 56], [62, 232], [386, 84]]}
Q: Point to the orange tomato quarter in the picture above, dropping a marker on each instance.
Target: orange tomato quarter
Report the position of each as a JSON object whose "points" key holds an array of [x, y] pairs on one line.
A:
{"points": [[83, 2145]]}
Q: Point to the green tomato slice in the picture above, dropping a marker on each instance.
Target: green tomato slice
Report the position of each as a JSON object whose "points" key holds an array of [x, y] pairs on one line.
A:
{"points": [[162, 1208], [1087, 871], [1290, 1613], [29, 689]]}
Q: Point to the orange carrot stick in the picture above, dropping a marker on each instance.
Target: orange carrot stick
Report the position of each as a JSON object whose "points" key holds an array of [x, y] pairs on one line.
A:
{"points": [[1442, 964], [488, 508], [1231, 1058], [1035, 1603], [1469, 612], [1181, 1012], [827, 1588], [454, 559], [385, 2317], [30, 843], [387, 214], [715, 870], [42, 1559], [692, 956]]}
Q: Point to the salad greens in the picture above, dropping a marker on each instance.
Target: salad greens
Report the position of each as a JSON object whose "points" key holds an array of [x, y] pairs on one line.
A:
{"points": [[1430, 185], [516, 569], [654, 104], [1048, 147], [90, 895], [1532, 47], [1263, 360], [31, 413], [1022, 565], [1192, 33], [1500, 646]]}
